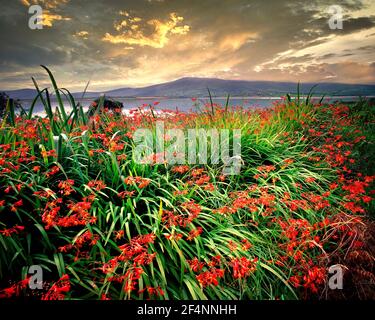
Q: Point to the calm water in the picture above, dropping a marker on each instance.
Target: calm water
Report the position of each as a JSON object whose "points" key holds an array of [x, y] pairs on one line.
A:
{"points": [[182, 104]]}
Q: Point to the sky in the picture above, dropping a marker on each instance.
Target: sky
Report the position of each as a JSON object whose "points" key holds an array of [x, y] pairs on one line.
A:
{"points": [[120, 43]]}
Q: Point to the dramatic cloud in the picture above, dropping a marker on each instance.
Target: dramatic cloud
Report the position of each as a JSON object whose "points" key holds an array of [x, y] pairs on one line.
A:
{"points": [[133, 33], [48, 4], [48, 16], [118, 43]]}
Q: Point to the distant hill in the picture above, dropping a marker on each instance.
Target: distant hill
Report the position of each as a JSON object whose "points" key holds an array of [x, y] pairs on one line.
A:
{"points": [[25, 94], [21, 94], [197, 87]]}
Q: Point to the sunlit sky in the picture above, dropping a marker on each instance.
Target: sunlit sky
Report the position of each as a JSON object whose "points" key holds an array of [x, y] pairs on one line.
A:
{"points": [[142, 42]]}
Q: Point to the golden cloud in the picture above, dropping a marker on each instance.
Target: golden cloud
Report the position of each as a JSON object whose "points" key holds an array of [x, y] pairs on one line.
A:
{"points": [[48, 4], [83, 34], [134, 34], [49, 18], [237, 40]]}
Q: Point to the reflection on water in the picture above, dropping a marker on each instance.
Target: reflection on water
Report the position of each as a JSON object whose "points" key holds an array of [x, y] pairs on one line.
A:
{"points": [[182, 104]]}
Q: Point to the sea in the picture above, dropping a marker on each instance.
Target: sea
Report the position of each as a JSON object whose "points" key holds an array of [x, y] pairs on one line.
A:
{"points": [[183, 104]]}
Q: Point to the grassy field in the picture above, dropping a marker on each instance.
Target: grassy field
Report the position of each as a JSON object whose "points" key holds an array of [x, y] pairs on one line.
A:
{"points": [[101, 226]]}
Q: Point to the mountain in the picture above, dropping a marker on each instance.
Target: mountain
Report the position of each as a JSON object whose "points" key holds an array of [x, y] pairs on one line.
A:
{"points": [[21, 94], [26, 94], [197, 87]]}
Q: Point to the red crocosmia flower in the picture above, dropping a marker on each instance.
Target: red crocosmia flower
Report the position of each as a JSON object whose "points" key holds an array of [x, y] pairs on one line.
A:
{"points": [[358, 244], [132, 276], [152, 291], [8, 292], [180, 169], [44, 194], [354, 208], [232, 245], [195, 264], [8, 232], [197, 172], [315, 276], [80, 215], [170, 219], [49, 153], [2, 203], [295, 281], [210, 277], [119, 234], [58, 290], [122, 157], [97, 185], [193, 210], [139, 181], [144, 258], [15, 289], [145, 238], [66, 248], [53, 171], [209, 187], [160, 291], [242, 267], [225, 210], [222, 177], [194, 233], [310, 179], [202, 180], [143, 183], [66, 187], [90, 198], [215, 261], [288, 162], [36, 168], [246, 245], [104, 297], [19, 203], [174, 236], [355, 188], [180, 192], [266, 168], [366, 199], [266, 199], [126, 194], [333, 186], [86, 238]]}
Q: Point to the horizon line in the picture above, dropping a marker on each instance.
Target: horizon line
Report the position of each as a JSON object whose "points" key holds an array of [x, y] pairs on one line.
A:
{"points": [[212, 78]]}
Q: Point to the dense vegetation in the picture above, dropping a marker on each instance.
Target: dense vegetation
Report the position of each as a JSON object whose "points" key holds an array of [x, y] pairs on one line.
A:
{"points": [[101, 226]]}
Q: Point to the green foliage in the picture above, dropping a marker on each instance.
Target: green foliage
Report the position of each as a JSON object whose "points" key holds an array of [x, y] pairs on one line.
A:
{"points": [[277, 152]]}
